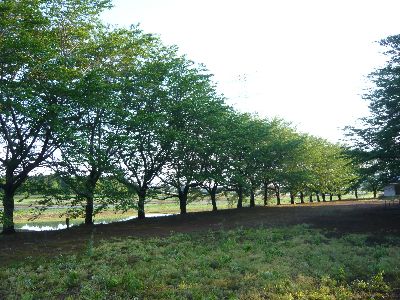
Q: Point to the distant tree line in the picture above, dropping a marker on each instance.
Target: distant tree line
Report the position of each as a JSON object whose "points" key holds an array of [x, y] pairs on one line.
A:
{"points": [[116, 115]]}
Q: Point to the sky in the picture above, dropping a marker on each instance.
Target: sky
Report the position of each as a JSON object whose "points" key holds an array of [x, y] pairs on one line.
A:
{"points": [[305, 61]]}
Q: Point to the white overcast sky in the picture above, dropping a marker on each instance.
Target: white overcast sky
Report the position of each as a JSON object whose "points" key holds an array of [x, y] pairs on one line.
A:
{"points": [[302, 60]]}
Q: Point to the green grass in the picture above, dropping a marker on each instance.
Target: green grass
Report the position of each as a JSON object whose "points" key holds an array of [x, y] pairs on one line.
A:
{"points": [[294, 262]]}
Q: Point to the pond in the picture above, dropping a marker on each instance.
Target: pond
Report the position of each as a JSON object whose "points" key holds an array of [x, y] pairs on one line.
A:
{"points": [[56, 225]]}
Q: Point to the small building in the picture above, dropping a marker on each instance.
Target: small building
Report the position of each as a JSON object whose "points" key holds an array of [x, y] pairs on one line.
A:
{"points": [[391, 190]]}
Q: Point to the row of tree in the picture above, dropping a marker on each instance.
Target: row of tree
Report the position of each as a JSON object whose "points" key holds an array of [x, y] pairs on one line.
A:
{"points": [[246, 157], [89, 102]]}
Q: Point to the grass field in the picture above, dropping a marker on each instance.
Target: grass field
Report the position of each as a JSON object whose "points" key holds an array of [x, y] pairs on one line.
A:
{"points": [[334, 250], [292, 262]]}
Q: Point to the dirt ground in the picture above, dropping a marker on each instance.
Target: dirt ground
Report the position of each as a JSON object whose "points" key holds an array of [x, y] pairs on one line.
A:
{"points": [[339, 217]]}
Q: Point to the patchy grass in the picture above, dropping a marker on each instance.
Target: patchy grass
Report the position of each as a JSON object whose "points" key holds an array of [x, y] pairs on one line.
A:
{"points": [[293, 262]]}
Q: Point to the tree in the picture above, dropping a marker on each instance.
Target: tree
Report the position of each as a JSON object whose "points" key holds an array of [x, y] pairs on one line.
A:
{"points": [[215, 156], [86, 155], [293, 173], [248, 137], [369, 175], [239, 145], [340, 170], [280, 163], [258, 138], [41, 65], [380, 133], [149, 131], [196, 109]]}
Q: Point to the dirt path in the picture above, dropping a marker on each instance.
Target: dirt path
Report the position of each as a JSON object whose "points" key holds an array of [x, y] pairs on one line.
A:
{"points": [[338, 217]]}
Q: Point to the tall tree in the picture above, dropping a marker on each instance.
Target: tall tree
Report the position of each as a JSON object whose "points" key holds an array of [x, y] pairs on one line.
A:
{"points": [[215, 156], [196, 109], [280, 161], [86, 156], [260, 137], [149, 131], [380, 132], [41, 65], [248, 137], [239, 147], [292, 175]]}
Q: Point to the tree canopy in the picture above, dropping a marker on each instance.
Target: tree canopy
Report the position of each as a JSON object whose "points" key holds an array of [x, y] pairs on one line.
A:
{"points": [[43, 50], [377, 141]]}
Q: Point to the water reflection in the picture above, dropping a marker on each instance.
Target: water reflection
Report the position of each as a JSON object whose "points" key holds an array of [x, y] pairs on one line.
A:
{"points": [[60, 226], [27, 227]]}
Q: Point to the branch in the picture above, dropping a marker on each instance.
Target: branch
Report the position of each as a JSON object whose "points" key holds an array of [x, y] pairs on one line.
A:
{"points": [[18, 130], [7, 136]]}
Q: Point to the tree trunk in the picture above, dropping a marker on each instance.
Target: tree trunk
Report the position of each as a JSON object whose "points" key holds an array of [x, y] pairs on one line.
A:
{"points": [[91, 182], [278, 195], [323, 197], [317, 194], [291, 198], [330, 197], [265, 194], [356, 193], [182, 200], [252, 198], [302, 197], [240, 197], [8, 213], [375, 192], [311, 199], [142, 197], [89, 209], [213, 194], [339, 196], [182, 203]]}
